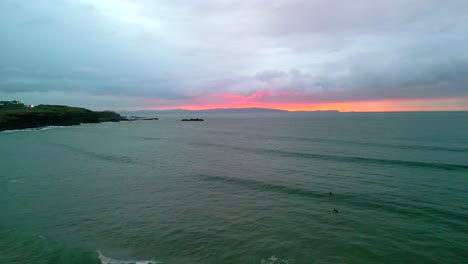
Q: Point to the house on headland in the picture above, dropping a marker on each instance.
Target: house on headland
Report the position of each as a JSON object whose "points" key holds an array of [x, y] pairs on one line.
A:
{"points": [[12, 104]]}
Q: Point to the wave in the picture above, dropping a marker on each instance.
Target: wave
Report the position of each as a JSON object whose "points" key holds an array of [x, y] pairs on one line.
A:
{"points": [[275, 260], [20, 130], [350, 159], [11, 180], [154, 138], [361, 143], [27, 247], [52, 127], [16, 181], [94, 155], [17, 246], [34, 129], [108, 260], [260, 185], [370, 202], [350, 142]]}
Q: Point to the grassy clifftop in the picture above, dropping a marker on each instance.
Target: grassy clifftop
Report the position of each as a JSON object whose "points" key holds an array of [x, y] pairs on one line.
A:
{"points": [[52, 115]]}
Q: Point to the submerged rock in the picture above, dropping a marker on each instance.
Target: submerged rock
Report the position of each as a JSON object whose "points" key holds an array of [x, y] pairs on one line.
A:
{"points": [[136, 118]]}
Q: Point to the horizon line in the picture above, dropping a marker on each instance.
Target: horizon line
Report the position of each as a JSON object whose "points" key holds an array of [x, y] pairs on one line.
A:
{"points": [[286, 110]]}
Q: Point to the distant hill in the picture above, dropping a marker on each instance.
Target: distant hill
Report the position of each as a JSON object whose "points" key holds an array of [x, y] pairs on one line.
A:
{"points": [[318, 111], [252, 110]]}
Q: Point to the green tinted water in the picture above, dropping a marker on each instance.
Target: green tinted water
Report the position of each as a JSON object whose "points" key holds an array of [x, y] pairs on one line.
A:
{"points": [[239, 189]]}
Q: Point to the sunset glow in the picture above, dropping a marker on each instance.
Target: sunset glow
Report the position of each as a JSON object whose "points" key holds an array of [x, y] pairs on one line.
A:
{"points": [[389, 105]]}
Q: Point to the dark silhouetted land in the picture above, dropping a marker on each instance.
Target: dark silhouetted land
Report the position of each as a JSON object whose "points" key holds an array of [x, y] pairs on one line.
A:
{"points": [[51, 115]]}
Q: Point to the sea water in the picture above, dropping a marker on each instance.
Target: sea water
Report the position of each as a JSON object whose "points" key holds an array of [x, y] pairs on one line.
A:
{"points": [[239, 189]]}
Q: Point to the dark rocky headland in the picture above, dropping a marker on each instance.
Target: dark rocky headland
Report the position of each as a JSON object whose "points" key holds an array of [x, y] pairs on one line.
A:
{"points": [[12, 118]]}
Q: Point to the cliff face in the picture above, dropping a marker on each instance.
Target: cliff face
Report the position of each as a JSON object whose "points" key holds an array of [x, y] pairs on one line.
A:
{"points": [[52, 115], [108, 116]]}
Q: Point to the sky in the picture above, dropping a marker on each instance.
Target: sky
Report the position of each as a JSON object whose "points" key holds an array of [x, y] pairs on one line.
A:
{"points": [[357, 55]]}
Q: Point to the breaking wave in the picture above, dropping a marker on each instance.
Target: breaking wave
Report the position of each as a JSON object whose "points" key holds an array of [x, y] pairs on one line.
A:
{"points": [[108, 260]]}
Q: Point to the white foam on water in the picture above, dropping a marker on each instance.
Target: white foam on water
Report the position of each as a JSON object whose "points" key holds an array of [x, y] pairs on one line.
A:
{"points": [[275, 260], [34, 129], [15, 181], [108, 260], [19, 130], [51, 127]]}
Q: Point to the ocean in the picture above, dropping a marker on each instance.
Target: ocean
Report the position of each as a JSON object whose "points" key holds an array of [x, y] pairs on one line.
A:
{"points": [[258, 188]]}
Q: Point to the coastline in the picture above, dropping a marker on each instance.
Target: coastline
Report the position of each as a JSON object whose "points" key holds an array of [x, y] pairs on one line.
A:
{"points": [[37, 129], [52, 115]]}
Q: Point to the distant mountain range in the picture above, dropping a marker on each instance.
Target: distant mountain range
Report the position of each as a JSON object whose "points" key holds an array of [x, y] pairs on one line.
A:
{"points": [[252, 110]]}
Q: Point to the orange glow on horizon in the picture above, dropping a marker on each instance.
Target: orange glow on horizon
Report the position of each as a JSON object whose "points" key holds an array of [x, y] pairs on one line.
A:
{"points": [[388, 105]]}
